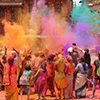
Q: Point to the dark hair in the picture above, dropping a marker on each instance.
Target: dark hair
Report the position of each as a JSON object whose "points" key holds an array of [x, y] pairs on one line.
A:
{"points": [[82, 60], [29, 56], [27, 67], [87, 50], [44, 66], [42, 55], [52, 56], [49, 59], [74, 44]]}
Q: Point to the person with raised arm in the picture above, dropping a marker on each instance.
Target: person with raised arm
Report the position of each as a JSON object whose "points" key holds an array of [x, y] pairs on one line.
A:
{"points": [[10, 80]]}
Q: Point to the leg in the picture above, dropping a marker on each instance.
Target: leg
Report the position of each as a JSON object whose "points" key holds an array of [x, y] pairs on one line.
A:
{"points": [[21, 92], [62, 93], [88, 85], [28, 95], [94, 87], [39, 95], [56, 91]]}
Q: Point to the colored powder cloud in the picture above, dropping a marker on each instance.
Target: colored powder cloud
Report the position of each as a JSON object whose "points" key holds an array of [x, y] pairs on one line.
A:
{"points": [[13, 35], [56, 32]]}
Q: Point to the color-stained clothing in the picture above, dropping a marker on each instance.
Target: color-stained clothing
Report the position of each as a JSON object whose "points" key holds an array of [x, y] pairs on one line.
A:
{"points": [[68, 91], [11, 90], [36, 63], [50, 75], [24, 79], [79, 67], [80, 81], [60, 78], [6, 73], [80, 85], [41, 84], [96, 62], [27, 73], [69, 69]]}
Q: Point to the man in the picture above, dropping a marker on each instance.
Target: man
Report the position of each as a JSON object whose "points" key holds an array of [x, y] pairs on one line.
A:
{"points": [[50, 74], [97, 74]]}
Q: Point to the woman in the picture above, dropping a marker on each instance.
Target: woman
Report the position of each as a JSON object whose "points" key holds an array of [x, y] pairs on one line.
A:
{"points": [[41, 83], [69, 68], [50, 74], [10, 80], [81, 78], [60, 79]]}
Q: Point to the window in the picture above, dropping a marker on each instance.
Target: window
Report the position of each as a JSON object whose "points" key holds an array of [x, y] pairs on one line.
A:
{"points": [[1, 29], [57, 7], [14, 13], [30, 7], [2, 12]]}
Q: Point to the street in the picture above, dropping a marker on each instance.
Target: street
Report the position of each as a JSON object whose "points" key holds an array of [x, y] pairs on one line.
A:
{"points": [[35, 96]]}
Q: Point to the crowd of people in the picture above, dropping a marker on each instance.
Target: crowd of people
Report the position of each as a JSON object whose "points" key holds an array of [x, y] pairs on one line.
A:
{"points": [[44, 71]]}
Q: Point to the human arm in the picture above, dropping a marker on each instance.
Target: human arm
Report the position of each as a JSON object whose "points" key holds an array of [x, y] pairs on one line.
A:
{"points": [[1, 70], [5, 50], [2, 63], [65, 68], [36, 73], [55, 65], [15, 50], [76, 68], [95, 64], [79, 49]]}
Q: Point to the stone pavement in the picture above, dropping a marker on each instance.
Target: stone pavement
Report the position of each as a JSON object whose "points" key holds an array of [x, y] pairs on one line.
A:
{"points": [[35, 96]]}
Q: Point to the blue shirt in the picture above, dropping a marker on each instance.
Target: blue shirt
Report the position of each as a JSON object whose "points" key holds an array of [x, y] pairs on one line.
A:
{"points": [[27, 73], [80, 69]]}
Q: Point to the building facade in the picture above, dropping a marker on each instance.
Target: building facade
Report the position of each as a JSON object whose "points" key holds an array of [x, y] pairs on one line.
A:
{"points": [[9, 9], [94, 5]]}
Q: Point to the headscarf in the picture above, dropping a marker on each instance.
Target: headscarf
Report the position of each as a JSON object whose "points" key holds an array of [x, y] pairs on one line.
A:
{"points": [[82, 61], [51, 56], [44, 66], [11, 60], [70, 49], [69, 58]]}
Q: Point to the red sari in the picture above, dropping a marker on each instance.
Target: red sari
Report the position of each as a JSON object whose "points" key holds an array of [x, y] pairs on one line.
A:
{"points": [[50, 75]]}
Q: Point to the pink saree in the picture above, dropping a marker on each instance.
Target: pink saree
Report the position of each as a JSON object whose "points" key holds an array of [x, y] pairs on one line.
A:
{"points": [[10, 82]]}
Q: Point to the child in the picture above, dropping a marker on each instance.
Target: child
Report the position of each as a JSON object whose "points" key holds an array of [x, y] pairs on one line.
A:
{"points": [[25, 80]]}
